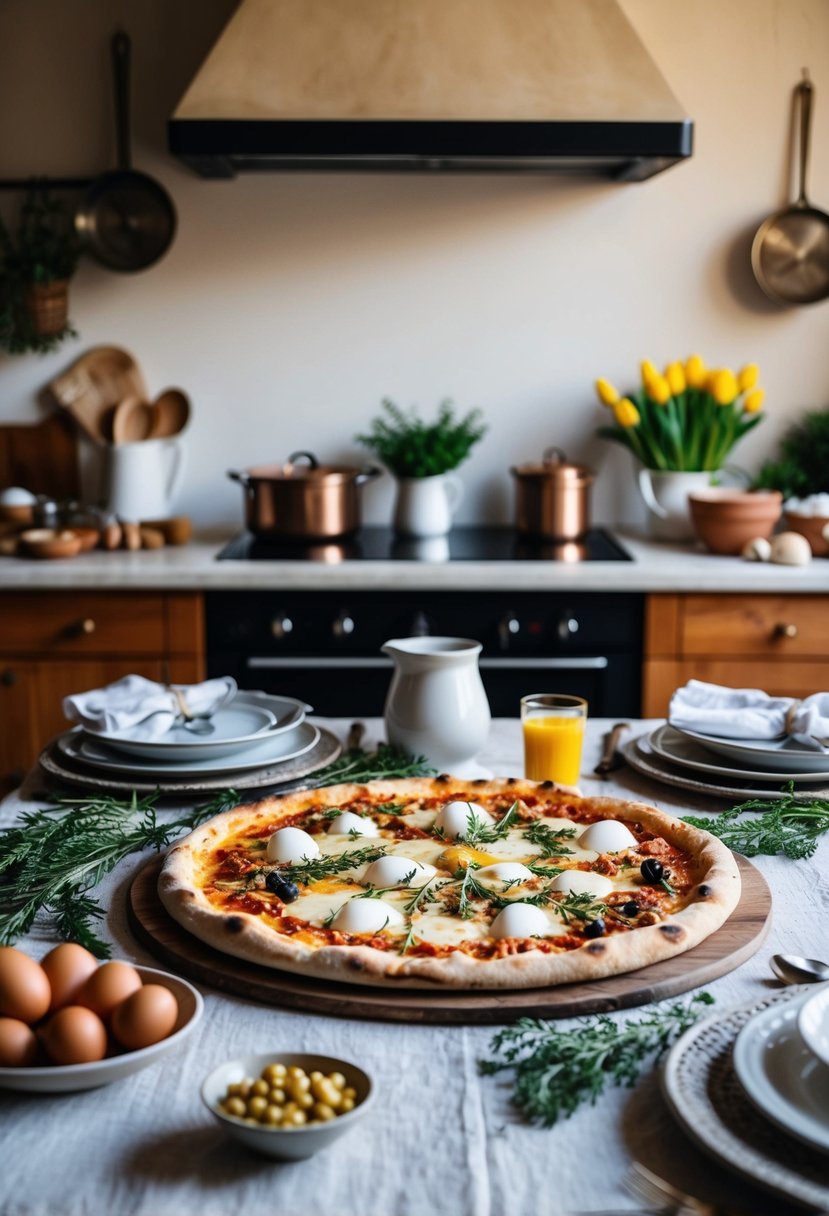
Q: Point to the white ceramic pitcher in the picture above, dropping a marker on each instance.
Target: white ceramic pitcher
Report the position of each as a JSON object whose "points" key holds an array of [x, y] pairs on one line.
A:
{"points": [[666, 497], [143, 478], [425, 505], [436, 705]]}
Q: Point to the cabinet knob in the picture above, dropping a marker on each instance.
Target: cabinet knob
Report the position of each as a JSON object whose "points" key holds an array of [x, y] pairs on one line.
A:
{"points": [[783, 630], [81, 629], [281, 626], [8, 677]]}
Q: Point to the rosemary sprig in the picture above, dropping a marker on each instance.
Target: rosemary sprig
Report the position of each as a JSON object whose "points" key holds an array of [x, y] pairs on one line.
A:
{"points": [[478, 832], [790, 826], [327, 866], [359, 766], [51, 859], [549, 839], [556, 1070], [579, 907]]}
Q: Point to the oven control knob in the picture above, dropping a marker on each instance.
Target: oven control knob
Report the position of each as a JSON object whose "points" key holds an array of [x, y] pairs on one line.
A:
{"points": [[419, 626], [343, 626], [508, 627], [281, 626], [567, 626]]}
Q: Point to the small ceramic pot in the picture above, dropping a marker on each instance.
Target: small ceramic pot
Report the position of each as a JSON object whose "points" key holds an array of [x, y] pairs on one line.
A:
{"points": [[725, 520], [812, 527]]}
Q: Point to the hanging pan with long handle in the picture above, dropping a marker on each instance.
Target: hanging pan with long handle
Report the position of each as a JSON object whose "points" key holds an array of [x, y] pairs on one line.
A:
{"points": [[790, 253], [126, 220]]}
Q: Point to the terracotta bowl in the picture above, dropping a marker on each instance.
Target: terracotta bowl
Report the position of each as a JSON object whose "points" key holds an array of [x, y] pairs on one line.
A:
{"points": [[810, 526], [724, 520], [49, 543]]}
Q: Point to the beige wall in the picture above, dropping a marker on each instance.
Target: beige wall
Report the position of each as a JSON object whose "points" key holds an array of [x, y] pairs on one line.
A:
{"points": [[289, 305]]}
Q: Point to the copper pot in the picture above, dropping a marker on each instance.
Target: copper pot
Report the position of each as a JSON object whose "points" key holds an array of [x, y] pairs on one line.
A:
{"points": [[302, 502], [552, 499]]}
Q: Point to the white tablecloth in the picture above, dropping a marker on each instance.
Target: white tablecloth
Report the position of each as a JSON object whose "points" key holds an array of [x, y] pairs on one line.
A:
{"points": [[440, 1138]]}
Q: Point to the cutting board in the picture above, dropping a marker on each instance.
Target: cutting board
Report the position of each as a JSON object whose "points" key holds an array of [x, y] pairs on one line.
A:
{"points": [[739, 938], [42, 458]]}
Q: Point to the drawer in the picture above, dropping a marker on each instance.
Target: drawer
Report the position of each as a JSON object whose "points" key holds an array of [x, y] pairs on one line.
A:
{"points": [[91, 623], [768, 626]]}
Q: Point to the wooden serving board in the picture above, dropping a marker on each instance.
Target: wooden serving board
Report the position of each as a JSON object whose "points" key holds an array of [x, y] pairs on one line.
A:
{"points": [[725, 950]]}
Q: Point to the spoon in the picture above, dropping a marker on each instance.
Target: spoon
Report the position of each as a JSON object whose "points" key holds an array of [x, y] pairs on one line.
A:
{"points": [[792, 969], [132, 420], [171, 413], [198, 726]]}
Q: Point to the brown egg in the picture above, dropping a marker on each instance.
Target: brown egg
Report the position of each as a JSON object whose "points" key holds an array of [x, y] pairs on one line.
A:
{"points": [[146, 1017], [67, 968], [24, 988], [75, 1035], [108, 986], [18, 1044]]}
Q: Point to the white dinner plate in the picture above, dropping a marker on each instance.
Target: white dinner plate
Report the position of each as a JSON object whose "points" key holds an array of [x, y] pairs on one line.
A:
{"points": [[640, 757], [678, 748], [271, 751], [69, 1078], [780, 755], [781, 1076], [237, 725], [813, 1023]]}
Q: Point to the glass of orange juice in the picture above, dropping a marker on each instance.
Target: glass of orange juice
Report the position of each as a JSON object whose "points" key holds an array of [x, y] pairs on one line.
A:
{"points": [[553, 726]]}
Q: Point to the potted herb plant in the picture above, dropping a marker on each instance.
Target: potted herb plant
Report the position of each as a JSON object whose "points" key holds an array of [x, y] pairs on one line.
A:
{"points": [[681, 426], [37, 260], [421, 455]]}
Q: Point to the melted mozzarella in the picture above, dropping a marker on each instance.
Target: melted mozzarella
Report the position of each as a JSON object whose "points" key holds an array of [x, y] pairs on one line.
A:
{"points": [[582, 882], [607, 836], [366, 916], [397, 871], [520, 920], [292, 844], [503, 871], [454, 818], [347, 823]]}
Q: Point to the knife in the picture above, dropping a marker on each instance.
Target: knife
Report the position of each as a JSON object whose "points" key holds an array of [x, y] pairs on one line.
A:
{"points": [[610, 757]]}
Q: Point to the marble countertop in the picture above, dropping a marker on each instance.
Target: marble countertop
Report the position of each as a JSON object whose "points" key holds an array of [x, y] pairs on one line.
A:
{"points": [[656, 567], [440, 1139]]}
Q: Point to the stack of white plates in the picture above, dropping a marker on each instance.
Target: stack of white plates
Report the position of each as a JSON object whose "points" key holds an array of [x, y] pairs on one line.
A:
{"points": [[254, 734], [781, 1059], [708, 764]]}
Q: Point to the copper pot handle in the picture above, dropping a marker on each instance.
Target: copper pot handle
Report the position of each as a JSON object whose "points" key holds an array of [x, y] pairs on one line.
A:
{"points": [[242, 477], [367, 474]]}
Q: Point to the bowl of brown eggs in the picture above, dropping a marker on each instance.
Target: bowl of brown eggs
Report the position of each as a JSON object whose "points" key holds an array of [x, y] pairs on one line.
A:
{"points": [[69, 1022], [287, 1105]]}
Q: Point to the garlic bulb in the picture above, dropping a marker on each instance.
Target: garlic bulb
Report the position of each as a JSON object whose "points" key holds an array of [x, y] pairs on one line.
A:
{"points": [[791, 549], [757, 550]]}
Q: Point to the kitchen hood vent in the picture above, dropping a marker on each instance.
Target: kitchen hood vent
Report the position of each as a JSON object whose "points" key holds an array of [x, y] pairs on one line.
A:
{"points": [[477, 85]]}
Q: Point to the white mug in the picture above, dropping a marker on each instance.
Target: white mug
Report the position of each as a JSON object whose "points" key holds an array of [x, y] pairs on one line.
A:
{"points": [[143, 478]]}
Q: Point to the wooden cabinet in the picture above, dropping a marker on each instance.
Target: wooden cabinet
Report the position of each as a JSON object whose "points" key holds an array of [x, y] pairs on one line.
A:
{"points": [[56, 643], [778, 643]]}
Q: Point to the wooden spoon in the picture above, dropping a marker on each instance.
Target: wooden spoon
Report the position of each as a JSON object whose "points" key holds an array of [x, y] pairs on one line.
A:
{"points": [[132, 420], [171, 410]]}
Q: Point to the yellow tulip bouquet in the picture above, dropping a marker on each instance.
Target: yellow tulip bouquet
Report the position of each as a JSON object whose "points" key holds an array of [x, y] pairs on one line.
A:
{"points": [[687, 419]]}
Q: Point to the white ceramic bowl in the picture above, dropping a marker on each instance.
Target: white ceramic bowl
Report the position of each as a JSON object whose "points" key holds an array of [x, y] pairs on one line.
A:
{"points": [[286, 1143], [813, 1023], [68, 1078]]}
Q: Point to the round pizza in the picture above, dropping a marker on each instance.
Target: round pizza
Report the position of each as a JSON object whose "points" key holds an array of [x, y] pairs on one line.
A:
{"points": [[436, 881]]}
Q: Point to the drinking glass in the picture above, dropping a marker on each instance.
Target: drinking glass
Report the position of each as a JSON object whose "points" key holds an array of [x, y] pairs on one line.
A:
{"points": [[553, 727]]}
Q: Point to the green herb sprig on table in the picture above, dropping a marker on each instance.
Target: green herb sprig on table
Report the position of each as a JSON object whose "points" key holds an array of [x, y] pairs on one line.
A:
{"points": [[789, 826], [358, 766], [51, 859], [556, 1070]]}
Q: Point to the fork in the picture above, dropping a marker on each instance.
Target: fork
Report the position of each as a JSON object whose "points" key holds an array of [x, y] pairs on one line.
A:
{"points": [[659, 1194]]}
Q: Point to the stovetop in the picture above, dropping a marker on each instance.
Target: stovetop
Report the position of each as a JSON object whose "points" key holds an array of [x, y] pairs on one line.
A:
{"points": [[489, 544]]}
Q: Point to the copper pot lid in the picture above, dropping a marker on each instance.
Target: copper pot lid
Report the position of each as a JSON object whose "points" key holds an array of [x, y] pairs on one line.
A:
{"points": [[312, 471], [556, 467]]}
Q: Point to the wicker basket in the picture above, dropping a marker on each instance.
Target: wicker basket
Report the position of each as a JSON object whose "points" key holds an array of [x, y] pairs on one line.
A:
{"points": [[48, 306]]}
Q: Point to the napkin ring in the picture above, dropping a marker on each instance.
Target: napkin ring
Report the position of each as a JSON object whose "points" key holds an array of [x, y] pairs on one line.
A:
{"points": [[791, 714]]}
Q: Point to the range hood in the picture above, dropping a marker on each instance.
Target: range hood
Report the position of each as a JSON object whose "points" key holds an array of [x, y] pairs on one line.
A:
{"points": [[478, 85]]}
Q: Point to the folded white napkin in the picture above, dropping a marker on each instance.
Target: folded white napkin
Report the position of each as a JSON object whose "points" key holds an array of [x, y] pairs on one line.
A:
{"points": [[147, 709], [748, 713]]}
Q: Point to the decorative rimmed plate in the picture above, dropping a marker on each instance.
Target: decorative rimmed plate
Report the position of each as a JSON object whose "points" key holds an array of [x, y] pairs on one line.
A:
{"points": [[283, 775], [782, 1077], [642, 759], [776, 754], [268, 752], [237, 727], [678, 748], [69, 1078], [813, 1024], [706, 1098]]}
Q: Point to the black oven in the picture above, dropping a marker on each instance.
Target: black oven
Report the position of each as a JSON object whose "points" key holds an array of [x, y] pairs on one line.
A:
{"points": [[324, 646]]}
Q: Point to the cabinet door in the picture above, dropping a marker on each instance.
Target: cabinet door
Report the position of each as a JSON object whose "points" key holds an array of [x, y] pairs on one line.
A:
{"points": [[17, 722]]}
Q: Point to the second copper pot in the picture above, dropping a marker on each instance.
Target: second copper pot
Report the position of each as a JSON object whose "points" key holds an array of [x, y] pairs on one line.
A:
{"points": [[552, 499], [302, 502]]}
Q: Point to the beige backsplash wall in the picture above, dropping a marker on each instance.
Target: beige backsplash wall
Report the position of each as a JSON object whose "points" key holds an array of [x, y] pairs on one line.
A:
{"points": [[289, 305]]}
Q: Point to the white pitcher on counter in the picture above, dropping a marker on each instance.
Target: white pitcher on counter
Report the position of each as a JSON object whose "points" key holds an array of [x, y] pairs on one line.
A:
{"points": [[436, 705], [425, 505], [142, 479]]}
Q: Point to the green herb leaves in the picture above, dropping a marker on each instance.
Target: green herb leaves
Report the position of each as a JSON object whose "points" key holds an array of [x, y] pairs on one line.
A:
{"points": [[478, 831], [410, 447], [314, 868], [556, 1070], [549, 839], [790, 826]]}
